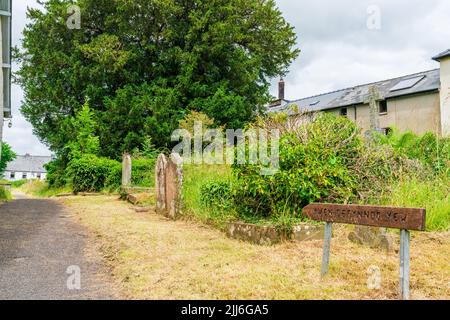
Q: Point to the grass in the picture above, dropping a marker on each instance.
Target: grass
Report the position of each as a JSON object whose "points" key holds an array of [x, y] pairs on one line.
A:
{"points": [[39, 188], [195, 176], [433, 195], [5, 195], [151, 257]]}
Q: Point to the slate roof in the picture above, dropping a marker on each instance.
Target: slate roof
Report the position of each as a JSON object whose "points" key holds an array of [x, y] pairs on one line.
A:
{"points": [[359, 94], [441, 55], [28, 163]]}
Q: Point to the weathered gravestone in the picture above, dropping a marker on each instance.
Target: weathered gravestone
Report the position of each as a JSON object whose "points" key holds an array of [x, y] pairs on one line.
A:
{"points": [[169, 180], [126, 170], [404, 219]]}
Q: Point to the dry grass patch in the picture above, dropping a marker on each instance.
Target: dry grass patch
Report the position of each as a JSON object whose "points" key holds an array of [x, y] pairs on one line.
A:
{"points": [[154, 258]]}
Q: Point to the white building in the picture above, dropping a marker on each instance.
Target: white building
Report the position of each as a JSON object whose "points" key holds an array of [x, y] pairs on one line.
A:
{"points": [[27, 167]]}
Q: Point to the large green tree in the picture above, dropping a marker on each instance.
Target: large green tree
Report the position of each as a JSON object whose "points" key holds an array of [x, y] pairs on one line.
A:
{"points": [[143, 64]]}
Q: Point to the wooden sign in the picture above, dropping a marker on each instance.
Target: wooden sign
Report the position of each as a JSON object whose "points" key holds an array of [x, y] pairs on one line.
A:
{"points": [[386, 217]]}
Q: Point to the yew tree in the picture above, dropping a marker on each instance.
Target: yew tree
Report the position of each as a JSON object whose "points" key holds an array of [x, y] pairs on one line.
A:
{"points": [[144, 64]]}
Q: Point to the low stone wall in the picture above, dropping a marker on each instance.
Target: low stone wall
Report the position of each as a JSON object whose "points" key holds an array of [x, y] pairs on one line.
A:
{"points": [[268, 235]]}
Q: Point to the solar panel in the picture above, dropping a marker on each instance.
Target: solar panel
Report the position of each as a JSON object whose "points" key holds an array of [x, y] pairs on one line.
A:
{"points": [[407, 83]]}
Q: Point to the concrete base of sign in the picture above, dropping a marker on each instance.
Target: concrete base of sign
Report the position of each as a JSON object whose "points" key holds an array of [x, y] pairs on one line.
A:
{"points": [[372, 237]]}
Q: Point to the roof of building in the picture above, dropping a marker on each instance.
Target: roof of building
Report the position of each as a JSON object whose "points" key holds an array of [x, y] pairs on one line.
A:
{"points": [[28, 163], [441, 55], [411, 84]]}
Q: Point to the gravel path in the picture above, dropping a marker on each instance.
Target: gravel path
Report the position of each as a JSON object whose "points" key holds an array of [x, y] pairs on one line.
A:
{"points": [[38, 244]]}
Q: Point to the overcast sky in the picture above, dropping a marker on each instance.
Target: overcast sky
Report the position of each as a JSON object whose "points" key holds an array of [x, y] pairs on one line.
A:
{"points": [[343, 44]]}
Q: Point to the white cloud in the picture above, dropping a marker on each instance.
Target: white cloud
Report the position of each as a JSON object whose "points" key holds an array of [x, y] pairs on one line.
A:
{"points": [[338, 50]]}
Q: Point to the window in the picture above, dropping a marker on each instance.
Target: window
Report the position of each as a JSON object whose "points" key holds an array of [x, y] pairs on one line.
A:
{"points": [[383, 107], [24, 175], [38, 176], [344, 112], [12, 175]]}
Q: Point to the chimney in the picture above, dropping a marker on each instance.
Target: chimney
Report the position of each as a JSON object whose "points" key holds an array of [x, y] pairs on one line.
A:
{"points": [[444, 59], [281, 89]]}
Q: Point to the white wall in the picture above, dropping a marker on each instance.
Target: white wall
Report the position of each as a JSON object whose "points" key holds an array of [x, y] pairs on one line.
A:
{"points": [[20, 176], [445, 96]]}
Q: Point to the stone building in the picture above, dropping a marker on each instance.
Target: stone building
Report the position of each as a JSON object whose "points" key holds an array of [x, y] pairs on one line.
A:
{"points": [[418, 102], [27, 167]]}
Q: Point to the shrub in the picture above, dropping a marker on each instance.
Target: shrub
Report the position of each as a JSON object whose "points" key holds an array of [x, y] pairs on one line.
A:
{"points": [[91, 173], [323, 158], [5, 195], [143, 172], [56, 173], [430, 149], [217, 194]]}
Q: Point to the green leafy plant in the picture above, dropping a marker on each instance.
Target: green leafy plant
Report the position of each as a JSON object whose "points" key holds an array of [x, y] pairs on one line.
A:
{"points": [[217, 194], [6, 156], [92, 174]]}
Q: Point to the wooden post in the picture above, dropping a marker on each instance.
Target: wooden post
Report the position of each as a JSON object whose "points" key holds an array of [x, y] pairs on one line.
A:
{"points": [[404, 263], [326, 249]]}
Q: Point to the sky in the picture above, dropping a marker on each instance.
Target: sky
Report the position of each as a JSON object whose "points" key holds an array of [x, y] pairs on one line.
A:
{"points": [[343, 43]]}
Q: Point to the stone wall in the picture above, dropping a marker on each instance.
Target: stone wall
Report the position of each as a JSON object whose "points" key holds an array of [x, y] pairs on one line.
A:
{"points": [[269, 235]]}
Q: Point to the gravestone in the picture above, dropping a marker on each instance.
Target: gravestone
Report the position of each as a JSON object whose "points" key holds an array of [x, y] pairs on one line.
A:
{"points": [[169, 180], [160, 183], [126, 170], [372, 237]]}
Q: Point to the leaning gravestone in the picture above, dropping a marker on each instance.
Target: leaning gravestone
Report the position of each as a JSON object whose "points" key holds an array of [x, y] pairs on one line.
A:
{"points": [[169, 179]]}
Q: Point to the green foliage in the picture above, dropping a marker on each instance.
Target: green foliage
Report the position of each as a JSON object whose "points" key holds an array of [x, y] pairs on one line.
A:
{"points": [[148, 149], [429, 149], [188, 122], [5, 195], [315, 165], [217, 194], [7, 155], [433, 195], [40, 188], [85, 142], [144, 64], [92, 174], [194, 194], [323, 158], [143, 172], [18, 183], [56, 174]]}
